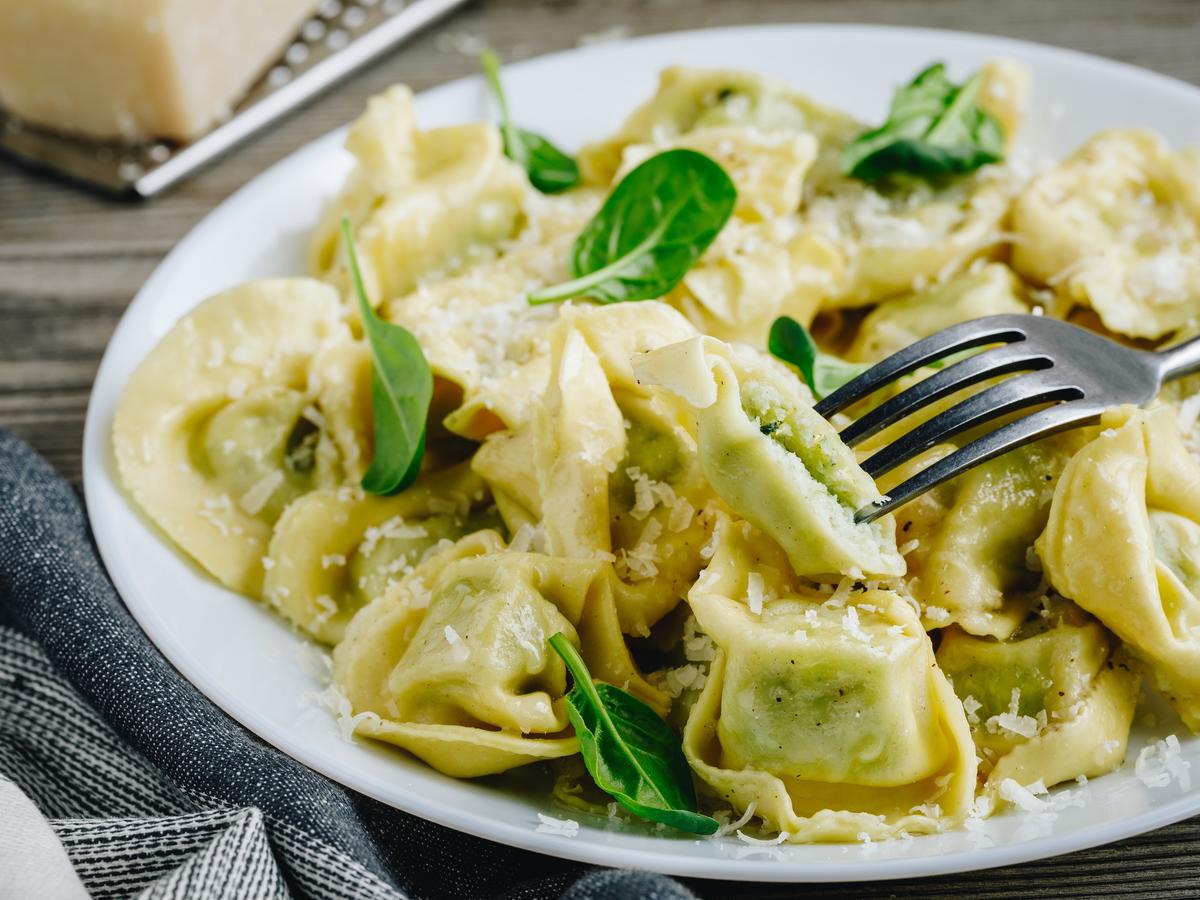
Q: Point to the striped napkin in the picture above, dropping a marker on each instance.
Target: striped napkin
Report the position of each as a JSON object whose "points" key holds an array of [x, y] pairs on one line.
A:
{"points": [[118, 779]]}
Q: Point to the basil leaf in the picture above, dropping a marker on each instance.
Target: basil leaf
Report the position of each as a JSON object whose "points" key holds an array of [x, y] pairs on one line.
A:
{"points": [[550, 170], [651, 230], [825, 373], [401, 390], [631, 753], [934, 129]]}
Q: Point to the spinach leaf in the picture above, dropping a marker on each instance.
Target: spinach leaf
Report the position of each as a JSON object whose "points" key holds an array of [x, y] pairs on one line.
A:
{"points": [[550, 170], [934, 129], [825, 373], [631, 753], [401, 390], [654, 226]]}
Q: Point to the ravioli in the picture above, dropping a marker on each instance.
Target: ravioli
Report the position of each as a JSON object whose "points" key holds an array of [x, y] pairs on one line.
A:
{"points": [[774, 461]]}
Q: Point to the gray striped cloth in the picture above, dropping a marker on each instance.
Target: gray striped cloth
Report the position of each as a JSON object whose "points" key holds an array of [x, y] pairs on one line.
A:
{"points": [[118, 779]]}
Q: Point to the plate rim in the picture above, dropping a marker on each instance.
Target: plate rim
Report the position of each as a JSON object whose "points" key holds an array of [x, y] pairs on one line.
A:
{"points": [[97, 465]]}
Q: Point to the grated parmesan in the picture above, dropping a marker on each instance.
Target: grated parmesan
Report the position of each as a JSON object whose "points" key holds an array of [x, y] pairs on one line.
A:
{"points": [[561, 827], [328, 608], [1015, 723], [755, 592], [971, 707], [253, 501], [640, 563], [937, 614], [737, 826], [1021, 797], [339, 704], [458, 648], [763, 842], [697, 646], [1161, 762]]}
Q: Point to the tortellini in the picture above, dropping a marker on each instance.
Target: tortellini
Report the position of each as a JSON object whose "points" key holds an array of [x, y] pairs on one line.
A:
{"points": [[767, 167], [973, 561], [755, 273], [420, 202], [1051, 703], [453, 662], [832, 717], [774, 460], [903, 237], [897, 241], [479, 333], [617, 476], [336, 549], [690, 100], [1116, 227], [226, 421], [893, 325], [1123, 542]]}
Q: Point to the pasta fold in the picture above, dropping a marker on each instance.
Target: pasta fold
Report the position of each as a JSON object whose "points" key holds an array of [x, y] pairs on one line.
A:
{"points": [[336, 549], [420, 202], [828, 714], [221, 426], [453, 664], [1051, 703], [774, 460], [1123, 542], [1116, 227]]}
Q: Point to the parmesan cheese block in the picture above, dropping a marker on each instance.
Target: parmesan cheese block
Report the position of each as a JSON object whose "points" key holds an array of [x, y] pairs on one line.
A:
{"points": [[137, 68]]}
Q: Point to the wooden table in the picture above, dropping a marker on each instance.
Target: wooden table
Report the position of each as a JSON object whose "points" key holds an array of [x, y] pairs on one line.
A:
{"points": [[70, 262]]}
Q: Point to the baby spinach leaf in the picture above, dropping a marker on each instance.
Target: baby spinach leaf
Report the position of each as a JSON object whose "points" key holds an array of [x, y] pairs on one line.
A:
{"points": [[934, 129], [631, 753], [550, 170], [825, 373], [401, 390], [654, 226]]}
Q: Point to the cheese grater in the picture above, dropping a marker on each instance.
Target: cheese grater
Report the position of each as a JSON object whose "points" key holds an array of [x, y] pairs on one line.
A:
{"points": [[342, 36]]}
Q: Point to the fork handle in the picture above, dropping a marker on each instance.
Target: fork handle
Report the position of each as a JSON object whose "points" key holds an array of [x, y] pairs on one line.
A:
{"points": [[1182, 359]]}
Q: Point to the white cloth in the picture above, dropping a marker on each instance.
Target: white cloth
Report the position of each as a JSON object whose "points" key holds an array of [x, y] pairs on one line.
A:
{"points": [[33, 862]]}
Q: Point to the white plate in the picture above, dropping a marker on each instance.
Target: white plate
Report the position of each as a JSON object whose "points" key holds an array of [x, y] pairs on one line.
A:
{"points": [[252, 665]]}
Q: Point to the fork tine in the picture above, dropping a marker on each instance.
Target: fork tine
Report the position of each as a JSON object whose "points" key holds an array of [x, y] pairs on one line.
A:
{"points": [[996, 443], [989, 363], [964, 336], [1009, 396]]}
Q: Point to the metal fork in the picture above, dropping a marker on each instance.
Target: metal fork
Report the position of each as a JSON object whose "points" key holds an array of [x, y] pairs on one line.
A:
{"points": [[1078, 372]]}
